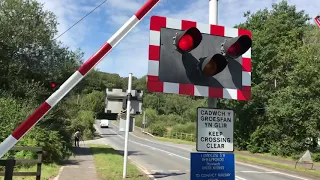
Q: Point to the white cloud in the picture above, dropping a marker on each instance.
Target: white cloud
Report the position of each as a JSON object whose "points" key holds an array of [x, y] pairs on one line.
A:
{"points": [[124, 5], [118, 19], [68, 12]]}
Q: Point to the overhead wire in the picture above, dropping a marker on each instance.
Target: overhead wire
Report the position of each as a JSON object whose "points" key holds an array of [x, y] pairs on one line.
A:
{"points": [[81, 19]]}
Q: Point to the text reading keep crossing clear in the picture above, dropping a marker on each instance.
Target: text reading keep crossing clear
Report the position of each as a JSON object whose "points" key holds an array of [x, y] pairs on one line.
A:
{"points": [[215, 130]]}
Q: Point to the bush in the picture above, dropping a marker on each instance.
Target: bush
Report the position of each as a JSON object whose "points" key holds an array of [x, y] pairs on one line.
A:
{"points": [[189, 128], [316, 157], [54, 147], [13, 112], [258, 142], [158, 130]]}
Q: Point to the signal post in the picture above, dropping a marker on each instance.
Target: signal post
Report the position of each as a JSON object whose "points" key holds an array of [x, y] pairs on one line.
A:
{"points": [[208, 60]]}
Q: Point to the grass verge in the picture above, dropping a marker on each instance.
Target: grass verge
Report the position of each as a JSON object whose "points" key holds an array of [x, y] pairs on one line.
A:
{"points": [[268, 155], [178, 141], [48, 171], [109, 164], [277, 165]]}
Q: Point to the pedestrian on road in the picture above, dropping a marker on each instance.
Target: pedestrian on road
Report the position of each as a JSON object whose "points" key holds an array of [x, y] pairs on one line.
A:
{"points": [[77, 136]]}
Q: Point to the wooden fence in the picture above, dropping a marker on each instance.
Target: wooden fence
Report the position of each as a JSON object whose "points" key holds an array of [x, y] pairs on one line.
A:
{"points": [[10, 163], [183, 136]]}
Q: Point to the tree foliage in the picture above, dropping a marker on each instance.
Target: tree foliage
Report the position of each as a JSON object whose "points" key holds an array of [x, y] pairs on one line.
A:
{"points": [[282, 119]]}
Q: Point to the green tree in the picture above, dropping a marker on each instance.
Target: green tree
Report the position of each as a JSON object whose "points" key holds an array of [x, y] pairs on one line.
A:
{"points": [[277, 119]]}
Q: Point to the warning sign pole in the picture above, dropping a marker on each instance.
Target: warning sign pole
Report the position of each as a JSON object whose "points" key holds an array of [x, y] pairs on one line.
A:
{"points": [[213, 19], [214, 132]]}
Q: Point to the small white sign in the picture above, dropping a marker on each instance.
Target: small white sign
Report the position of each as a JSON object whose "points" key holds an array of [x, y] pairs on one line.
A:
{"points": [[215, 130]]}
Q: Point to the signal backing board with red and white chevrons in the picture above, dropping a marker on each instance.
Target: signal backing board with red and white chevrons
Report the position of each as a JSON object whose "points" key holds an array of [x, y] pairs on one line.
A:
{"points": [[153, 83]]}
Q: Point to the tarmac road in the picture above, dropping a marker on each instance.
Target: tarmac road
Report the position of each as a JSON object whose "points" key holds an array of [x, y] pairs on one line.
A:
{"points": [[172, 162]]}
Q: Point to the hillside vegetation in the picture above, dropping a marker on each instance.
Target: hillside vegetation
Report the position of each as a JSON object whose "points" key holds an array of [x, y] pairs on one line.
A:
{"points": [[282, 119]]}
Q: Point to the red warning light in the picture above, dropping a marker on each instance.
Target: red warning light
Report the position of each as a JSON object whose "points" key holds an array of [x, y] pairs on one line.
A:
{"points": [[235, 49], [53, 84], [186, 42]]}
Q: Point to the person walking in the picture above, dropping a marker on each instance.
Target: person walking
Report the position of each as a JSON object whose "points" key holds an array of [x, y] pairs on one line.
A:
{"points": [[77, 136]]}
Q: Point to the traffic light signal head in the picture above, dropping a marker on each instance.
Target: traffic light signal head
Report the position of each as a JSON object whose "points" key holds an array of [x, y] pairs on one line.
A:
{"points": [[188, 40], [235, 47], [213, 65], [201, 60]]}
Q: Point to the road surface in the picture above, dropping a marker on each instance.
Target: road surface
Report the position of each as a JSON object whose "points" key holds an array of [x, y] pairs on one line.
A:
{"points": [[169, 162]]}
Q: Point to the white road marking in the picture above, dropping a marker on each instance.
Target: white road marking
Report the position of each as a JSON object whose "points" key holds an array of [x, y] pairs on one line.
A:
{"points": [[186, 149], [143, 169], [174, 170], [160, 150], [60, 171], [153, 147], [297, 177], [276, 172], [240, 178], [245, 164], [157, 170], [256, 171]]}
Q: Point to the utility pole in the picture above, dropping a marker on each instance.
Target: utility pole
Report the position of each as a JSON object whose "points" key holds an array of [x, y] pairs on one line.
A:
{"points": [[125, 160], [213, 19]]}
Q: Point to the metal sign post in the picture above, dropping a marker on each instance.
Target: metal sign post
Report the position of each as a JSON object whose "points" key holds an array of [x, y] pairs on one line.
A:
{"points": [[127, 128], [144, 121], [215, 129], [213, 19]]}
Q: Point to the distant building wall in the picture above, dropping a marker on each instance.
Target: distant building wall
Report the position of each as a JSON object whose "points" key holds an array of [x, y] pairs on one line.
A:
{"points": [[115, 100]]}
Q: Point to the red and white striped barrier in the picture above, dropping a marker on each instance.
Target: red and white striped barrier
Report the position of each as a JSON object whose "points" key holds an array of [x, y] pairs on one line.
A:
{"points": [[317, 20], [74, 79]]}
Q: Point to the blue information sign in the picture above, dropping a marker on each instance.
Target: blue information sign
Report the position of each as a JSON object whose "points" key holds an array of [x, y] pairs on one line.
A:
{"points": [[212, 166]]}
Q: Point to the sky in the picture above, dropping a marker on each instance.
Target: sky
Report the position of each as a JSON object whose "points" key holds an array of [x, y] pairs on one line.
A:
{"points": [[131, 54]]}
